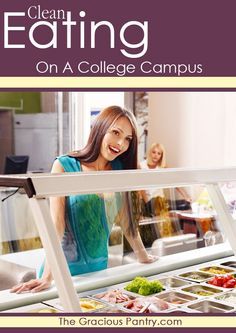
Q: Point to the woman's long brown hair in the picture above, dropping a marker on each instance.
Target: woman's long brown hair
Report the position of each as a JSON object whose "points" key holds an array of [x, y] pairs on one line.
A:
{"points": [[100, 127]]}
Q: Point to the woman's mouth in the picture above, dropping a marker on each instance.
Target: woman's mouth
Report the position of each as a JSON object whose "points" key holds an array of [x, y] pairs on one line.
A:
{"points": [[114, 150]]}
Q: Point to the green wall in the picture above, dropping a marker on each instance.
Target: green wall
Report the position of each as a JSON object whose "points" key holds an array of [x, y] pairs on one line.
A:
{"points": [[31, 101]]}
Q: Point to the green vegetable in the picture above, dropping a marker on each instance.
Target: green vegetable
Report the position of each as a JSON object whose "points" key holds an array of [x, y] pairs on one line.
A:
{"points": [[135, 284], [142, 286]]}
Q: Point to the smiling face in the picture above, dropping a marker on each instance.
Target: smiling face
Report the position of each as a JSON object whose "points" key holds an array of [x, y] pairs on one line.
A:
{"points": [[117, 139]]}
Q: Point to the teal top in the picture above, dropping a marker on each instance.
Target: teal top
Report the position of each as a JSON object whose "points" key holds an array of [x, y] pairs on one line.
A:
{"points": [[85, 241]]}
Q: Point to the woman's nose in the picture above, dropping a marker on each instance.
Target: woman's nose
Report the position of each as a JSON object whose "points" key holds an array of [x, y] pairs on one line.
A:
{"points": [[120, 141]]}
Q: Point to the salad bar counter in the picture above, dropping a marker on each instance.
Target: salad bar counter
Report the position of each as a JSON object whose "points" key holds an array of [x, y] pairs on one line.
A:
{"points": [[204, 288]]}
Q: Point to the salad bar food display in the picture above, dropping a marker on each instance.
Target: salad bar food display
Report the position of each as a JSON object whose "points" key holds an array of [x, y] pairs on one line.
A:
{"points": [[204, 288]]}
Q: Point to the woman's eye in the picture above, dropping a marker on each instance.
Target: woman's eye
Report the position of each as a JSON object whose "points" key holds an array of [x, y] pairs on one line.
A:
{"points": [[129, 139], [115, 132]]}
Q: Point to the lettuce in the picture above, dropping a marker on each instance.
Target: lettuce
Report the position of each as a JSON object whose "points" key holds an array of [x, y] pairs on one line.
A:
{"points": [[142, 286]]}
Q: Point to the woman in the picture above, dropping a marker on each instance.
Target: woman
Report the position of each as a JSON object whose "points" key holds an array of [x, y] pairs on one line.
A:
{"points": [[81, 220]]}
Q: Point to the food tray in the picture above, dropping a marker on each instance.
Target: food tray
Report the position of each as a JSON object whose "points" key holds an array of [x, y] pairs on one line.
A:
{"points": [[138, 285], [202, 290], [114, 296], [208, 306], [177, 298], [229, 264], [173, 282], [178, 311], [217, 270], [196, 276], [113, 309], [149, 304], [226, 282], [229, 298], [87, 304]]}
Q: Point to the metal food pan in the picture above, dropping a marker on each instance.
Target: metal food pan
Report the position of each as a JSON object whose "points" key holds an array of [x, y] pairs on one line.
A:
{"points": [[113, 309], [146, 305], [140, 295], [135, 295], [208, 306], [177, 298], [217, 270], [202, 290], [173, 282], [114, 296], [196, 276], [178, 311], [87, 304], [218, 287], [120, 286], [229, 264], [229, 298], [147, 296]]}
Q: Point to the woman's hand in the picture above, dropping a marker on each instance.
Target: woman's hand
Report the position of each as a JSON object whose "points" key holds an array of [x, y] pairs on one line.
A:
{"points": [[33, 286], [145, 258], [148, 259], [139, 249]]}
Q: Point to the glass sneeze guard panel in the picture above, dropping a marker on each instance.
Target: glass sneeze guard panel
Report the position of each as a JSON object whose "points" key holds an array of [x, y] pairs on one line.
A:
{"points": [[124, 186]]}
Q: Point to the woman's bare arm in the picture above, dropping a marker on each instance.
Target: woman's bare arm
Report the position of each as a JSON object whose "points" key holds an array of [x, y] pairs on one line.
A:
{"points": [[135, 241]]}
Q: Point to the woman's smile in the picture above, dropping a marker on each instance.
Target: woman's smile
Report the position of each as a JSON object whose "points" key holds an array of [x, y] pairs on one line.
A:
{"points": [[114, 150]]}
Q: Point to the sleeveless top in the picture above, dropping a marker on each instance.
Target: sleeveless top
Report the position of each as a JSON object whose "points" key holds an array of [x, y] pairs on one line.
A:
{"points": [[85, 240]]}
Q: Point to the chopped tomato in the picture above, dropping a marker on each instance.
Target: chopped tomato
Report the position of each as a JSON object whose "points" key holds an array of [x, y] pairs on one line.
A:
{"points": [[230, 283], [225, 281]]}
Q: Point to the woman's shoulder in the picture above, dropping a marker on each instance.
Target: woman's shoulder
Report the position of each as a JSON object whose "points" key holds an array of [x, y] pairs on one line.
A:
{"points": [[57, 167], [69, 163]]}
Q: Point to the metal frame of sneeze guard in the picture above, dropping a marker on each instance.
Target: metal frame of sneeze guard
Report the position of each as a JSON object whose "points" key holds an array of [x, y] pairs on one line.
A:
{"points": [[47, 185]]}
